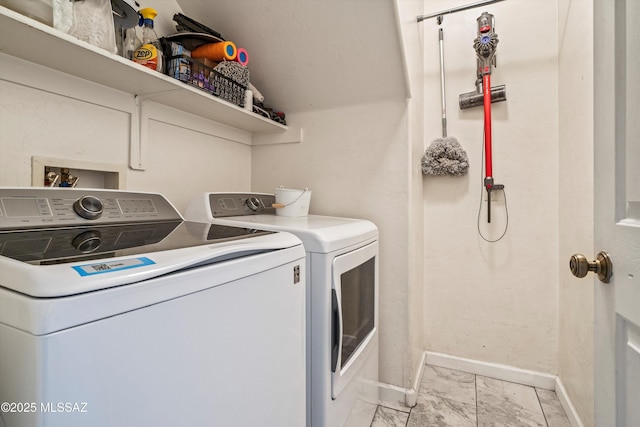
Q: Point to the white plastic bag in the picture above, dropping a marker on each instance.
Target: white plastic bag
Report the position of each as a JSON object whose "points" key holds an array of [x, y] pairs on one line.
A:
{"points": [[88, 20]]}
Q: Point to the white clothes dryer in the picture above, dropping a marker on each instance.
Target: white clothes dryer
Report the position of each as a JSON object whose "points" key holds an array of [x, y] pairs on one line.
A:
{"points": [[342, 301], [114, 312]]}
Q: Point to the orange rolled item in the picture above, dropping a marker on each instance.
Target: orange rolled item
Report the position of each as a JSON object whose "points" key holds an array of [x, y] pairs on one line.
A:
{"points": [[216, 51]]}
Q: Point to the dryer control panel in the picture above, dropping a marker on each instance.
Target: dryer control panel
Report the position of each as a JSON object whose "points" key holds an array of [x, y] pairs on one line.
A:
{"points": [[53, 207], [235, 204]]}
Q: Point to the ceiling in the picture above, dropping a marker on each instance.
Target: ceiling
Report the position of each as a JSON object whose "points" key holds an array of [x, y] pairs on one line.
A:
{"points": [[312, 54]]}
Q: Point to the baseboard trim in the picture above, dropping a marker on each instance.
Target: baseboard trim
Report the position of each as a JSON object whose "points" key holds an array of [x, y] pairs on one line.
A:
{"points": [[399, 397], [411, 397], [493, 370], [567, 405], [404, 399]]}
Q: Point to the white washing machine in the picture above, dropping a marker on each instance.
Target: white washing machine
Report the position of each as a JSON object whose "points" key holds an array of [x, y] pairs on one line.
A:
{"points": [[342, 301], [116, 312]]}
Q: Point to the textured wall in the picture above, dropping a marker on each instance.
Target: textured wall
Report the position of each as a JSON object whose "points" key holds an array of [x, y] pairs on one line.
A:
{"points": [[576, 333], [411, 35], [495, 302]]}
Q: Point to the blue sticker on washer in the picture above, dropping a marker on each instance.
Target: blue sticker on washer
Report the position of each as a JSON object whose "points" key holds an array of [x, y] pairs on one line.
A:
{"points": [[112, 266]]}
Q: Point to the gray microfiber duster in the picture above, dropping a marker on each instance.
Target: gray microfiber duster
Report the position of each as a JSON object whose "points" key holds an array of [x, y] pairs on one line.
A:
{"points": [[445, 156]]}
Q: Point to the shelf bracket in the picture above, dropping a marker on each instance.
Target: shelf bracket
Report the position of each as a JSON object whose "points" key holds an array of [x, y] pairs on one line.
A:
{"points": [[289, 136], [139, 137]]}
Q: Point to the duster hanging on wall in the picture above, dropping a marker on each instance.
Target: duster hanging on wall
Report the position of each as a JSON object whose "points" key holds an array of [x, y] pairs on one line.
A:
{"points": [[445, 156]]}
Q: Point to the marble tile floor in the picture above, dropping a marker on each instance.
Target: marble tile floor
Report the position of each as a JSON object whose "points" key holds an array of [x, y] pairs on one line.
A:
{"points": [[449, 398]]}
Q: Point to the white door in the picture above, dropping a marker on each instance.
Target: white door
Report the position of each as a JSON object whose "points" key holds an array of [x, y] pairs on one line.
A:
{"points": [[617, 211]]}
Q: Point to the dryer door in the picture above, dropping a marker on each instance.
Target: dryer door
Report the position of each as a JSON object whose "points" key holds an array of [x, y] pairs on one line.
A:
{"points": [[354, 324]]}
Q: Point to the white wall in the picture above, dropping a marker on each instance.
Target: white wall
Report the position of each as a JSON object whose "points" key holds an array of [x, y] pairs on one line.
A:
{"points": [[46, 113], [184, 159], [495, 302], [576, 333], [411, 36], [49, 114]]}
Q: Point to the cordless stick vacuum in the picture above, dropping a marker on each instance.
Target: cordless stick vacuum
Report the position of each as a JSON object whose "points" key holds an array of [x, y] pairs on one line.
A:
{"points": [[485, 46]]}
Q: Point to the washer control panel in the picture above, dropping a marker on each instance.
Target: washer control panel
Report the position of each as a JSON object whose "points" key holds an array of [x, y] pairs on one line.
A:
{"points": [[235, 204], [89, 207], [52, 207]]}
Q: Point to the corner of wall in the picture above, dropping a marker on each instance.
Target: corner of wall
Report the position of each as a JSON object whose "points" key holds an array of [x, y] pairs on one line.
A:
{"points": [[409, 35], [575, 208], [399, 396], [567, 405]]}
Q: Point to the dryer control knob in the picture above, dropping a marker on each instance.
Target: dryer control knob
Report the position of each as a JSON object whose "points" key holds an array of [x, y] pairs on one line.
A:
{"points": [[253, 203], [88, 207]]}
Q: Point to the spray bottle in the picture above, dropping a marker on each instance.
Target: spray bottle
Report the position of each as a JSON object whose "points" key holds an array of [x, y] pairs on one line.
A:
{"points": [[149, 52]]}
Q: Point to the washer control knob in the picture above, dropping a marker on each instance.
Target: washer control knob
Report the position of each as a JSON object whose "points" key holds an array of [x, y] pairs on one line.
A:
{"points": [[88, 207], [253, 203]]}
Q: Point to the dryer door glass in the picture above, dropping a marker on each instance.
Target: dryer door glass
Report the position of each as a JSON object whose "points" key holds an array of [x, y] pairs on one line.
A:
{"points": [[358, 307], [354, 323]]}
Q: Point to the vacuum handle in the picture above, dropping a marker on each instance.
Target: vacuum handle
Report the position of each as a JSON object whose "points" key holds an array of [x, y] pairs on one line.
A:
{"points": [[442, 85], [488, 156]]}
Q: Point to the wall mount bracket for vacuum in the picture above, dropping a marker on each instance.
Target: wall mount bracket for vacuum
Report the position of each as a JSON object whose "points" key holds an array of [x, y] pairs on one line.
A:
{"points": [[440, 15]]}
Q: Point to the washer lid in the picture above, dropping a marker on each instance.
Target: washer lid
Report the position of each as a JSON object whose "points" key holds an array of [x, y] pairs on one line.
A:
{"points": [[45, 263]]}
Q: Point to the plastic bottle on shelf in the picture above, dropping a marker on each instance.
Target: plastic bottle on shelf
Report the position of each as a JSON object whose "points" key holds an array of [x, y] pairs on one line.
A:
{"points": [[130, 42], [149, 52]]}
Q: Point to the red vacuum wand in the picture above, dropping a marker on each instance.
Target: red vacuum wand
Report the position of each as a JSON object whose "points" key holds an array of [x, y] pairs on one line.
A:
{"points": [[486, 89], [485, 46]]}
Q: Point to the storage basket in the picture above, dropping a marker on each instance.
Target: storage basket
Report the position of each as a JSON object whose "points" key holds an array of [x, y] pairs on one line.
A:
{"points": [[190, 71], [211, 80], [230, 81]]}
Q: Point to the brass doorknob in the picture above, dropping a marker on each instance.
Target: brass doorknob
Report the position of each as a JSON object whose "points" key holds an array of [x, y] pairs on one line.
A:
{"points": [[602, 266]]}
